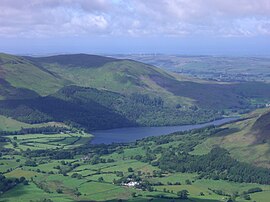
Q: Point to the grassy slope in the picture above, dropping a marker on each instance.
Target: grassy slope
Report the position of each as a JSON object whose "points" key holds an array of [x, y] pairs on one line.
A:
{"points": [[243, 139], [122, 76], [9, 124], [127, 76], [21, 73]]}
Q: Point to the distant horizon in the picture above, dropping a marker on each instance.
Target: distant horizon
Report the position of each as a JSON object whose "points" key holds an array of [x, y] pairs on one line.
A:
{"points": [[182, 27], [168, 46], [137, 54]]}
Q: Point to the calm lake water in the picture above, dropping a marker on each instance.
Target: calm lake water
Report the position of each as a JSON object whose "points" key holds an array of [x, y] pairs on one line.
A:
{"points": [[120, 135]]}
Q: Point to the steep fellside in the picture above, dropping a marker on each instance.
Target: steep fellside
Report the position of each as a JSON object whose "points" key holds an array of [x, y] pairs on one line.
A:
{"points": [[247, 140], [17, 72], [262, 127], [81, 89], [128, 76]]}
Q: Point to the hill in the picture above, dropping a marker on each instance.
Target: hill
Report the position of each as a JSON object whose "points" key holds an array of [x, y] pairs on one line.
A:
{"points": [[81, 89], [123, 76], [128, 76], [74, 60], [247, 139], [20, 76]]}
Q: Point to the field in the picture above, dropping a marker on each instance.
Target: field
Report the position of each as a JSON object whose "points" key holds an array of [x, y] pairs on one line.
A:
{"points": [[91, 188], [64, 166], [46, 141], [90, 177]]}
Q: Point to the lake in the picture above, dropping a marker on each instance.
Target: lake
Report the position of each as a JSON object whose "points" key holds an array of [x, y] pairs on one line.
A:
{"points": [[122, 135]]}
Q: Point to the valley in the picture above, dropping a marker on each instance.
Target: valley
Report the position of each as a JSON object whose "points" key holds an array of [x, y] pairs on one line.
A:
{"points": [[134, 101], [164, 137], [65, 166]]}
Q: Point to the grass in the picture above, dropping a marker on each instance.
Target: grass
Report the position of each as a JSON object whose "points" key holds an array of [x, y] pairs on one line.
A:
{"points": [[228, 187], [121, 76], [91, 189], [261, 197], [9, 162], [22, 173], [175, 177], [48, 141], [17, 72], [26, 193], [124, 165], [127, 153], [49, 166], [102, 191], [9, 124], [240, 140]]}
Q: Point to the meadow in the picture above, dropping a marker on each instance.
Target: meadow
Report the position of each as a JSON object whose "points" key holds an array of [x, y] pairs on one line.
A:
{"points": [[98, 172]]}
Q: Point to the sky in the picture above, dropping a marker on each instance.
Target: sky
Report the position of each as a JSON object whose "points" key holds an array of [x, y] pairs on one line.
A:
{"points": [[189, 27]]}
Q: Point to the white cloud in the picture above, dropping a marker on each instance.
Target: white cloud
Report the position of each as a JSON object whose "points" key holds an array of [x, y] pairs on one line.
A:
{"points": [[52, 18]]}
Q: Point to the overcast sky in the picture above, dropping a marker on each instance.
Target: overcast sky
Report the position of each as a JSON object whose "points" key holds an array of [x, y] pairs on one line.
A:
{"points": [[219, 27]]}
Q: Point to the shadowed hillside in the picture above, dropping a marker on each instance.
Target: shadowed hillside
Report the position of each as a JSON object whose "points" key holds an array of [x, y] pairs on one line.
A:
{"points": [[74, 88], [247, 139], [262, 127], [74, 60]]}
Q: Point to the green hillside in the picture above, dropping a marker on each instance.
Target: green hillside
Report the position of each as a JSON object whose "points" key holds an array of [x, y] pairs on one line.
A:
{"points": [[247, 140], [97, 92], [123, 76], [91, 108], [8, 91], [127, 76], [17, 72]]}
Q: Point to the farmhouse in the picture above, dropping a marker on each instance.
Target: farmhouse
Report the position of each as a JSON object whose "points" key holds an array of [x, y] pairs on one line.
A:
{"points": [[131, 184]]}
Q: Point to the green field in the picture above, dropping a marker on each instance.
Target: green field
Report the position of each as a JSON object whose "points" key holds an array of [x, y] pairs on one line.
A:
{"points": [[81, 178]]}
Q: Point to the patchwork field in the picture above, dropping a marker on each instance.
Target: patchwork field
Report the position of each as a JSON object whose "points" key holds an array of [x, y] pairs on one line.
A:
{"points": [[65, 167]]}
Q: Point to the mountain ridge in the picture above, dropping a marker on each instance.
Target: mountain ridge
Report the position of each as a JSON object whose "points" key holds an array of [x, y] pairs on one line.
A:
{"points": [[145, 95]]}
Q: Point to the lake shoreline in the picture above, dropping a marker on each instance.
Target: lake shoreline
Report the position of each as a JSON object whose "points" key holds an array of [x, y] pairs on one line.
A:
{"points": [[131, 134]]}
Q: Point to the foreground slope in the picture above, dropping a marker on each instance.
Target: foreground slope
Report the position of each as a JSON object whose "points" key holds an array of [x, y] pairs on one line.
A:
{"points": [[64, 166], [247, 140]]}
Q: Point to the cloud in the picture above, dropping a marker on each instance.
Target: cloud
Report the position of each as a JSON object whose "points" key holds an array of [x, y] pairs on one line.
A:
{"points": [[57, 18]]}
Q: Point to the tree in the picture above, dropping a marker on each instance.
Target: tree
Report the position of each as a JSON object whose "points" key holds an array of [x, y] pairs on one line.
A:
{"points": [[59, 191], [188, 182], [183, 194], [246, 197], [15, 144], [100, 179], [22, 179], [130, 169]]}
